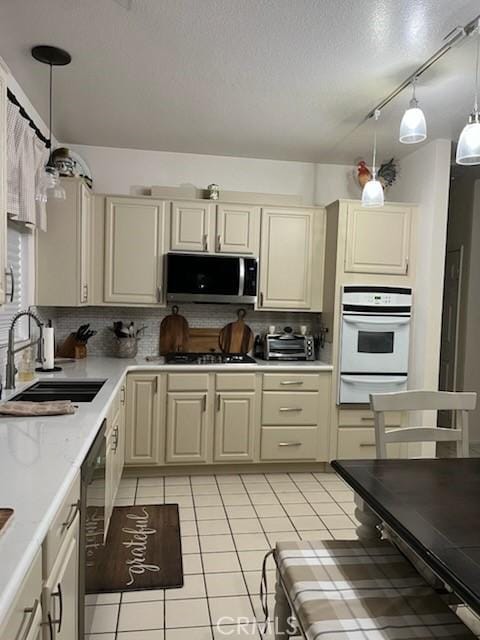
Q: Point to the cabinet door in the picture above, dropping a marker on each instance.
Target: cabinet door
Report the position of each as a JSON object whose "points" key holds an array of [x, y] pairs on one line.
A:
{"points": [[378, 240], [60, 593], [134, 231], [3, 184], [238, 229], [186, 427], [286, 259], [85, 218], [234, 426], [191, 227], [143, 422], [23, 619]]}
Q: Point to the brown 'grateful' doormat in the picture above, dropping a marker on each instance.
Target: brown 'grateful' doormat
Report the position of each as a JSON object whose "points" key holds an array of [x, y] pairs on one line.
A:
{"points": [[143, 551]]}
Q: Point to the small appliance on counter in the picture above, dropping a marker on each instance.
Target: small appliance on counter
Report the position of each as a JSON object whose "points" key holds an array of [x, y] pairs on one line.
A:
{"points": [[208, 358], [288, 346], [374, 342]]}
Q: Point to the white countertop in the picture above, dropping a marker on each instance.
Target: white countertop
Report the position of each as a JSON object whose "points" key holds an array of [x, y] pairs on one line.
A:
{"points": [[40, 457]]}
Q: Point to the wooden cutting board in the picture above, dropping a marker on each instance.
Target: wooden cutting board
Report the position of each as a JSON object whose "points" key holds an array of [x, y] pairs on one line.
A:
{"points": [[174, 333], [5, 516], [236, 337], [203, 340]]}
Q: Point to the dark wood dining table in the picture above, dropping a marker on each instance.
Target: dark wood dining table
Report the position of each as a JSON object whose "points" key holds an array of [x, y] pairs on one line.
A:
{"points": [[432, 505]]}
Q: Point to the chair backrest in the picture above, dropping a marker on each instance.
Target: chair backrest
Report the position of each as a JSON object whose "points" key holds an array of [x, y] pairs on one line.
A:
{"points": [[459, 403]]}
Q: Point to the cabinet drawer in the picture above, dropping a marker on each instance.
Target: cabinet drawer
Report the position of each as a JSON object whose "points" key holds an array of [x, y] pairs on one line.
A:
{"points": [[187, 381], [60, 526], [285, 443], [364, 418], [235, 381], [289, 408], [26, 612], [291, 381], [358, 443]]}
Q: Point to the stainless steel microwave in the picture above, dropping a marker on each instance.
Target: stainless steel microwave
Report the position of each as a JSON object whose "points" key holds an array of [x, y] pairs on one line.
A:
{"points": [[211, 278]]}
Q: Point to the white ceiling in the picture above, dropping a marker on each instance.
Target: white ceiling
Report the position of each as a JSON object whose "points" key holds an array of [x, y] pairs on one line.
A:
{"points": [[283, 79]]}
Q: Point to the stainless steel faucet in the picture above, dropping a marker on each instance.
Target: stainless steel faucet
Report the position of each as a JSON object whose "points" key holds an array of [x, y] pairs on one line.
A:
{"points": [[11, 351]]}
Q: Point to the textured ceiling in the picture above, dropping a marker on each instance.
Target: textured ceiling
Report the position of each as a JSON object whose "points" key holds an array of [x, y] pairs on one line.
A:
{"points": [[284, 79]]}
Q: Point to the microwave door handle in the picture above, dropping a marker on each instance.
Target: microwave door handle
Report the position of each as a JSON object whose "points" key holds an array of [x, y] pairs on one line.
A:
{"points": [[241, 276], [365, 380]]}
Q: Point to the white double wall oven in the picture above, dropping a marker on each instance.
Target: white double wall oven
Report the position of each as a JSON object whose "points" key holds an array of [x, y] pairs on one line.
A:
{"points": [[374, 345]]}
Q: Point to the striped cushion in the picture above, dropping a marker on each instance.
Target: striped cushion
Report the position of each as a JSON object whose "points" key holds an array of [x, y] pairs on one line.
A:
{"points": [[354, 590]]}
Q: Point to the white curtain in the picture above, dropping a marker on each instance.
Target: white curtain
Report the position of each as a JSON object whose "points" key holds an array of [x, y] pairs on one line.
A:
{"points": [[26, 157]]}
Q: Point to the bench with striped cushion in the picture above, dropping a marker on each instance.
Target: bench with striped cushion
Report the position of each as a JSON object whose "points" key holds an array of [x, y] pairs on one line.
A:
{"points": [[354, 590]]}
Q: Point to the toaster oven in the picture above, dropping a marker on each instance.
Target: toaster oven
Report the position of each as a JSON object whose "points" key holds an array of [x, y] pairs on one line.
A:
{"points": [[288, 346]]}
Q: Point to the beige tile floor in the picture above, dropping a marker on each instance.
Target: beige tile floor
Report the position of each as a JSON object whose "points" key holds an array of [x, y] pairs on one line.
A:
{"points": [[228, 523]]}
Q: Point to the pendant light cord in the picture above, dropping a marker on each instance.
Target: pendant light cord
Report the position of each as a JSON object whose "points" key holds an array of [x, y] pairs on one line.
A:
{"points": [[377, 115]]}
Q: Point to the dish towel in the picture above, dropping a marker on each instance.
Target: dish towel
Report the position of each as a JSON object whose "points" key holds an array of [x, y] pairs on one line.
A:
{"points": [[56, 408]]}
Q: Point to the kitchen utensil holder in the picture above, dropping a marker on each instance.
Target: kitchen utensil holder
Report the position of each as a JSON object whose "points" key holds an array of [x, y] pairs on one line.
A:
{"points": [[125, 347]]}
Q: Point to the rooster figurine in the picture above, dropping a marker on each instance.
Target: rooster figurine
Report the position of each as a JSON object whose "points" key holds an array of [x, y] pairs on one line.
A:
{"points": [[363, 173]]}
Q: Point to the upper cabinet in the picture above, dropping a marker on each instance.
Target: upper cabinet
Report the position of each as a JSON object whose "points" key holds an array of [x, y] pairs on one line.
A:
{"points": [[191, 224], [208, 228], [238, 229], [63, 251], [3, 183], [291, 259], [134, 236], [378, 240]]}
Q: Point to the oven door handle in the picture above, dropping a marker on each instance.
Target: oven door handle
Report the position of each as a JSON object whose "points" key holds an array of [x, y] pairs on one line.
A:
{"points": [[366, 380], [378, 321]]}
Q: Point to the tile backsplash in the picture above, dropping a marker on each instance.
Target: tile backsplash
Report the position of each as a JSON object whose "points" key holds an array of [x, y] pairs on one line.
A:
{"points": [[66, 320]]}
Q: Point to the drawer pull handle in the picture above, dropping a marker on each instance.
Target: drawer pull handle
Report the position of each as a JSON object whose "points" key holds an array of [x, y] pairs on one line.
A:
{"points": [[367, 444], [289, 444], [367, 419], [218, 402], [290, 409], [204, 403], [72, 512], [32, 615], [291, 382], [122, 399]]}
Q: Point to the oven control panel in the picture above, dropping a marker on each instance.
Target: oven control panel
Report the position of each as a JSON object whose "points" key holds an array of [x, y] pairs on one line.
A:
{"points": [[376, 296]]}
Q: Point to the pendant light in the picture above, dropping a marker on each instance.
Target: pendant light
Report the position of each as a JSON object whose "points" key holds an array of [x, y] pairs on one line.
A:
{"points": [[468, 147], [49, 184], [413, 127], [372, 194]]}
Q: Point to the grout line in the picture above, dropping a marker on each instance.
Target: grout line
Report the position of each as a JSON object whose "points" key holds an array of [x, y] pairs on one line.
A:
{"points": [[201, 562], [238, 555]]}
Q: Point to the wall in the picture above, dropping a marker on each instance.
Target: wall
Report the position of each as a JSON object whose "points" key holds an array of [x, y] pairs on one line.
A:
{"points": [[425, 179]]}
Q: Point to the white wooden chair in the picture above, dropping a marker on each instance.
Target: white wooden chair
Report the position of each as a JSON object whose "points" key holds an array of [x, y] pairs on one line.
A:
{"points": [[406, 401]]}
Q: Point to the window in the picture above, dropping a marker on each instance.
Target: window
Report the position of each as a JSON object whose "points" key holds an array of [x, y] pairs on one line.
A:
{"points": [[20, 260]]}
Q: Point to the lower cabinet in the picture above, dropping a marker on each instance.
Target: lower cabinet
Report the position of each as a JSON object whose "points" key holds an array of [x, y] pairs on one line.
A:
{"points": [[60, 590], [235, 426], [144, 420], [187, 427], [115, 454], [24, 620]]}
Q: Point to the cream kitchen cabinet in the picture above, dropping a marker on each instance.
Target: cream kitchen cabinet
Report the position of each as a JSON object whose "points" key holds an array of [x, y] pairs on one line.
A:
{"points": [[24, 619], [236, 424], [378, 240], [192, 226], [60, 589], [238, 229], [3, 184], [291, 259], [63, 251], [135, 231], [115, 453], [187, 427], [144, 420]]}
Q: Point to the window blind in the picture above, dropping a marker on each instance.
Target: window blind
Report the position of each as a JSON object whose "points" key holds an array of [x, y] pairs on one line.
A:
{"points": [[18, 260]]}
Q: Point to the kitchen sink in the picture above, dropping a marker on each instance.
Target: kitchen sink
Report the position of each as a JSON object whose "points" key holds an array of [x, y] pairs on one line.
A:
{"points": [[51, 390]]}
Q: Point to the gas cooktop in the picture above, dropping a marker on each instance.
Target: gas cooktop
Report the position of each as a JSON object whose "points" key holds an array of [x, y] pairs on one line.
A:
{"points": [[208, 358]]}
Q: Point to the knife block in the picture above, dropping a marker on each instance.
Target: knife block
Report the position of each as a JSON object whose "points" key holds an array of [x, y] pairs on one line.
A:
{"points": [[72, 348]]}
